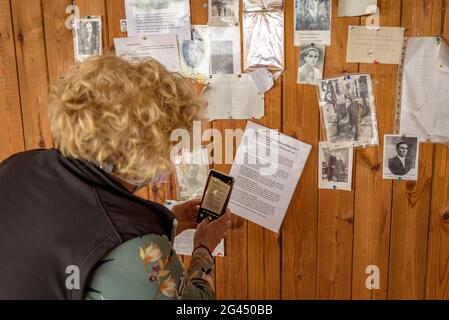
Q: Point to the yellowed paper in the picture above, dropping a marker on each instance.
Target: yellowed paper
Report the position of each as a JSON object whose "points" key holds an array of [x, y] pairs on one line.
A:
{"points": [[380, 45]]}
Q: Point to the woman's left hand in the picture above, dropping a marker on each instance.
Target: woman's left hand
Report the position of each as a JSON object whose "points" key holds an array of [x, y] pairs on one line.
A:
{"points": [[186, 214]]}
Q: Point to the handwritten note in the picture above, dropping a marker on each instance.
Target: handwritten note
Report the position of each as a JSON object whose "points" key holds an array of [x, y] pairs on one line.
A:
{"points": [[379, 45]]}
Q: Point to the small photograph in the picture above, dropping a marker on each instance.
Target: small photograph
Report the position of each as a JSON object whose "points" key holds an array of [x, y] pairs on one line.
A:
{"points": [[87, 38], [194, 57], [221, 57], [311, 63], [401, 157], [312, 15], [335, 168], [348, 111], [192, 170], [223, 12]]}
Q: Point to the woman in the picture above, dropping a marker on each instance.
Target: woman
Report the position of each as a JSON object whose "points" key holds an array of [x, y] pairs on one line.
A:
{"points": [[70, 226]]}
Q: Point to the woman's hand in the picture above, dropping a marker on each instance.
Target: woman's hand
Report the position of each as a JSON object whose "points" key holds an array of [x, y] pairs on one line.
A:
{"points": [[186, 214], [210, 233]]}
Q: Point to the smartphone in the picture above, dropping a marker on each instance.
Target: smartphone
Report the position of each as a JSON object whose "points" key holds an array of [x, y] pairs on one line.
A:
{"points": [[216, 196]]}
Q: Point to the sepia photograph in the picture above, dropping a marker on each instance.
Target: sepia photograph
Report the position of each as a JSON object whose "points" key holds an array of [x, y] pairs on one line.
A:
{"points": [[312, 15], [192, 170], [312, 20], [311, 63], [223, 12], [335, 168], [194, 57], [87, 38], [221, 57], [401, 157], [348, 111]]}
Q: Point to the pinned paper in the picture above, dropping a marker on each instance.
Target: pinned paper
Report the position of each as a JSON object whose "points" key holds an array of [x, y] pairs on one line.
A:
{"points": [[380, 45], [442, 62], [353, 8], [263, 79], [232, 96]]}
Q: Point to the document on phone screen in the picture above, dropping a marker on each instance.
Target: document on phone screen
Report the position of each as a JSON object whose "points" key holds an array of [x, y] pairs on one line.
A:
{"points": [[267, 169]]}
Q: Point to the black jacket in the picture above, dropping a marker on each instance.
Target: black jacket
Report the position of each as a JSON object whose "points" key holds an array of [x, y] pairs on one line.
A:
{"points": [[397, 168], [57, 212]]}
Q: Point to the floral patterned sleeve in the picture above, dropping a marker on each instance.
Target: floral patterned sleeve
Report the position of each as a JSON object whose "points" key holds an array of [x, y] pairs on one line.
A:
{"points": [[147, 268]]}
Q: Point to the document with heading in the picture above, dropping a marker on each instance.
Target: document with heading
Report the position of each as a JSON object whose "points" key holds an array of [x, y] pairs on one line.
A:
{"points": [[267, 169], [163, 48], [153, 17], [380, 45]]}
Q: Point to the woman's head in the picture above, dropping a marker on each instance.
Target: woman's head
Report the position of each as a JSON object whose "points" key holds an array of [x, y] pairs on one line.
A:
{"points": [[111, 111]]}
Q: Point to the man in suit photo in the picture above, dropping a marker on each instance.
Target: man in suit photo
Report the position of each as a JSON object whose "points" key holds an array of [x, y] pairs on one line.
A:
{"points": [[401, 164]]}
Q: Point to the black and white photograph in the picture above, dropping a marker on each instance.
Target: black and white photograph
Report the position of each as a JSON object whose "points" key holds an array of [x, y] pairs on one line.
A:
{"points": [[223, 12], [312, 21], [401, 157], [87, 38], [194, 54], [221, 57], [348, 111], [335, 168], [311, 63]]}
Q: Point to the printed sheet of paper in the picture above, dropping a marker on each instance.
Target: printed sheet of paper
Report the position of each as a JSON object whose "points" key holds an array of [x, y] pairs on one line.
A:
{"points": [[232, 96], [225, 51], [153, 17], [312, 22], [380, 45], [442, 63], [353, 8], [425, 92], [183, 244], [267, 169], [163, 48], [194, 54]]}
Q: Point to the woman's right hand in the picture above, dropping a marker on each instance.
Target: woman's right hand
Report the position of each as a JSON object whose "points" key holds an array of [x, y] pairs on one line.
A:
{"points": [[210, 233]]}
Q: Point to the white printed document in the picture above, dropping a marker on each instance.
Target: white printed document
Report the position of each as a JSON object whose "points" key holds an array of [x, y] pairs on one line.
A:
{"points": [[267, 169], [163, 48], [153, 17]]}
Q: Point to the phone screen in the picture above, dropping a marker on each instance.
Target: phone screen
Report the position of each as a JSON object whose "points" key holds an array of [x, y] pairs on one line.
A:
{"points": [[215, 197]]}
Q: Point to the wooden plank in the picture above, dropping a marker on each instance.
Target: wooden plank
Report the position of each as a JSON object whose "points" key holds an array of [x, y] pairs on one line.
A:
{"points": [[32, 71], [373, 194], [11, 130], [96, 8], [59, 39], [116, 12], [437, 286], [336, 208], [299, 233], [264, 251], [411, 201]]}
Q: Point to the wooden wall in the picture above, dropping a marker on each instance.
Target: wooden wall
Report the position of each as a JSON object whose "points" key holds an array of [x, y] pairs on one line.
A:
{"points": [[329, 237]]}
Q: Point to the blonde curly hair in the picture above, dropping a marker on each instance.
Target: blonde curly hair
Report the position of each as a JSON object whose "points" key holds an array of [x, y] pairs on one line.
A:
{"points": [[111, 111]]}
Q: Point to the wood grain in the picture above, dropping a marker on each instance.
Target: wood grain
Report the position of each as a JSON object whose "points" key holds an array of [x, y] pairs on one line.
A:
{"points": [[11, 130], [299, 232], [437, 286], [373, 194], [58, 38], [32, 70], [411, 201], [336, 208]]}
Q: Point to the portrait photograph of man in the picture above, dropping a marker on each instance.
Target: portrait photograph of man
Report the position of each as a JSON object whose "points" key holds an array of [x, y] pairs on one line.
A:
{"points": [[87, 38], [401, 157], [311, 64]]}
